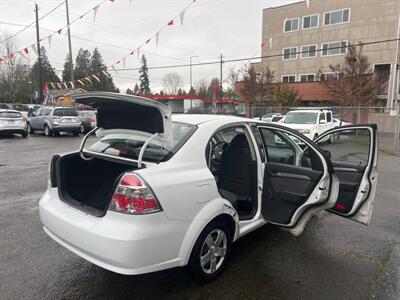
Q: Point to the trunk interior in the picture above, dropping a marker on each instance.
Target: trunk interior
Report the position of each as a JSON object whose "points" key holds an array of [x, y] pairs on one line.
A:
{"points": [[89, 184]]}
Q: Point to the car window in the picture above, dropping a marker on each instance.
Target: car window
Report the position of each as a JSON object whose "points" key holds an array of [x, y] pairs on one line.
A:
{"points": [[10, 114], [329, 117], [64, 112], [322, 117], [352, 146], [301, 118], [126, 144], [44, 112], [279, 148]]}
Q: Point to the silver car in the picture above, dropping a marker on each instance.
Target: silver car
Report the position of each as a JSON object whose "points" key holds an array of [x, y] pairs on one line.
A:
{"points": [[12, 121], [53, 120]]}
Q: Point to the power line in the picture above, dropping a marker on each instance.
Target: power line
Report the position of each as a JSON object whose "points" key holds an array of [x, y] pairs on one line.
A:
{"points": [[258, 57], [30, 25]]}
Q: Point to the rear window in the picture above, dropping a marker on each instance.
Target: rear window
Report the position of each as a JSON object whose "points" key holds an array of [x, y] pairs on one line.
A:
{"points": [[63, 112], [128, 145], [10, 114], [87, 113]]}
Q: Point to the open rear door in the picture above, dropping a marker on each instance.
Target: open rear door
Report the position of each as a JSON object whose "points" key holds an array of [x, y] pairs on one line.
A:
{"points": [[298, 183], [354, 156]]}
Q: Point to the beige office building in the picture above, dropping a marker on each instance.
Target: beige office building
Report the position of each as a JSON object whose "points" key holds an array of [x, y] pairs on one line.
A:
{"points": [[319, 28]]}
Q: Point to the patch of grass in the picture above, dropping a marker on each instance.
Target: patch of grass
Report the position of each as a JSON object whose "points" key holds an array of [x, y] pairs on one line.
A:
{"points": [[386, 260]]}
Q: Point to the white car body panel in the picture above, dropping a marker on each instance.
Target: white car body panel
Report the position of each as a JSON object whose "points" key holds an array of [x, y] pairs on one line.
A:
{"points": [[190, 200]]}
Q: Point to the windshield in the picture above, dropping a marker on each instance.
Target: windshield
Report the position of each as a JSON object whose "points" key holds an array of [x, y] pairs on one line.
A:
{"points": [[126, 144], [301, 118], [10, 114], [63, 112]]}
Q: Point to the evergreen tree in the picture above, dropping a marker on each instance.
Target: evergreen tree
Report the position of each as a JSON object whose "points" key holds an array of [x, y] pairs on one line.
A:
{"points": [[97, 67], [66, 73], [144, 77], [48, 72], [136, 90], [82, 64], [129, 91]]}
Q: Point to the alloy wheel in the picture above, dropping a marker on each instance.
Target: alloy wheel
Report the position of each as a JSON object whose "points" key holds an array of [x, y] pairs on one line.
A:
{"points": [[213, 251]]}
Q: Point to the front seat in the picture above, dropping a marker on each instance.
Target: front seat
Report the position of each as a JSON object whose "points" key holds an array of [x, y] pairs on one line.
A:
{"points": [[236, 171]]}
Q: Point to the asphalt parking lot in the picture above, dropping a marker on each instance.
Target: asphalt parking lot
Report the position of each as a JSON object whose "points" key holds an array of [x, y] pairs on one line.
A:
{"points": [[334, 259]]}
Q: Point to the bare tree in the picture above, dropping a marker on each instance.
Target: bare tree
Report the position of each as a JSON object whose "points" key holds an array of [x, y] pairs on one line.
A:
{"points": [[201, 87], [172, 82], [353, 83], [14, 73], [285, 96]]}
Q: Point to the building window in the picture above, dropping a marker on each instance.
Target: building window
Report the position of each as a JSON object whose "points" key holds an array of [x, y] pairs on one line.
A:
{"points": [[336, 17], [307, 77], [288, 78], [290, 53], [329, 76], [291, 25], [334, 48], [308, 51], [310, 22]]}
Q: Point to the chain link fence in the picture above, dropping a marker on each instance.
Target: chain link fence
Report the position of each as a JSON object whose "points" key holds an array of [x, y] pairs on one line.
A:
{"points": [[387, 120]]}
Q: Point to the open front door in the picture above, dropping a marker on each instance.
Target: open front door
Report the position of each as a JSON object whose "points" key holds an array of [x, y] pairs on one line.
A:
{"points": [[297, 183], [354, 156]]}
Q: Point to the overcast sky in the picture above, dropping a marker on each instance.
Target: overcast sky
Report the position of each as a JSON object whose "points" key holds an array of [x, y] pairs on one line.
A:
{"points": [[211, 27]]}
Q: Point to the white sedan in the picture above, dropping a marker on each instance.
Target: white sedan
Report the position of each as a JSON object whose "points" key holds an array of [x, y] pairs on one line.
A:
{"points": [[156, 191]]}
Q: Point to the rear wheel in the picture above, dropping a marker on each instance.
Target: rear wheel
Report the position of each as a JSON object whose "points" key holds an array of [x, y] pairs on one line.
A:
{"points": [[82, 129], [47, 131], [24, 134], [76, 133], [211, 252]]}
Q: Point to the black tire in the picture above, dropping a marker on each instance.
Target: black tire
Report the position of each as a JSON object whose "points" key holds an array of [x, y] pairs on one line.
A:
{"points": [[30, 129], [195, 266], [76, 133], [24, 134], [83, 130], [47, 131]]}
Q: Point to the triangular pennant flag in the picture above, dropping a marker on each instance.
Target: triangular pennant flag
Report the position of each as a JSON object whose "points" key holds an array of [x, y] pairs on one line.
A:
{"points": [[59, 31], [95, 9], [59, 85], [262, 44], [132, 52], [26, 51], [106, 74], [34, 48], [138, 52], [123, 62], [182, 16], [170, 23], [1, 59], [308, 3], [148, 41], [49, 40], [52, 85], [72, 85], [95, 77], [12, 55], [118, 62], [112, 1], [81, 82], [81, 17], [88, 79], [270, 42], [22, 54]]}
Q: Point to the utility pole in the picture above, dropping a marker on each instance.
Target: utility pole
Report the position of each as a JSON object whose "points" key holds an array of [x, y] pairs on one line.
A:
{"points": [[40, 73], [220, 80], [191, 85], [71, 64]]}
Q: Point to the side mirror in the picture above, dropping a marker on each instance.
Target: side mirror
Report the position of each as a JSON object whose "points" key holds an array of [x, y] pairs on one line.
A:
{"points": [[322, 121]]}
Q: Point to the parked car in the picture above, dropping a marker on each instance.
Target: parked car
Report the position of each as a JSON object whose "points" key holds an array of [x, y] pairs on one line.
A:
{"points": [[88, 119], [53, 120], [311, 122], [338, 122], [276, 119], [268, 117], [157, 191], [12, 122]]}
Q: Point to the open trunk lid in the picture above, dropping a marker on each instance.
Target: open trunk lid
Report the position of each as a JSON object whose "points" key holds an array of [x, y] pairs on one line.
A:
{"points": [[129, 112]]}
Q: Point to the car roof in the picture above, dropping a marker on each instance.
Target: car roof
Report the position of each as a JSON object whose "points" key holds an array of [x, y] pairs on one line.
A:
{"points": [[309, 110], [9, 110], [196, 119]]}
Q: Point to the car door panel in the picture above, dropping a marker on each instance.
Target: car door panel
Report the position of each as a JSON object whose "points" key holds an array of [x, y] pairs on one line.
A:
{"points": [[357, 178], [293, 193]]}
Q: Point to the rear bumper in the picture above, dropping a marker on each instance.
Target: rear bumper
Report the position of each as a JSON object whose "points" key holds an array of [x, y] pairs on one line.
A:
{"points": [[18, 130], [75, 128], [121, 243]]}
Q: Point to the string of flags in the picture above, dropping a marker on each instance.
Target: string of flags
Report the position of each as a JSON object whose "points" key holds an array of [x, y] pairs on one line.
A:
{"points": [[24, 52], [113, 67]]}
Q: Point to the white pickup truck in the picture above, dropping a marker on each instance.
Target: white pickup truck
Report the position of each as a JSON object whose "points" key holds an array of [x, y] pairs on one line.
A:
{"points": [[310, 122]]}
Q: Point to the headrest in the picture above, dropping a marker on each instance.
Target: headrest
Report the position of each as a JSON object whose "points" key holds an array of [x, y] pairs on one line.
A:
{"points": [[240, 141]]}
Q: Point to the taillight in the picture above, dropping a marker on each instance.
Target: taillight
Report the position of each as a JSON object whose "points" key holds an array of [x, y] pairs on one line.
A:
{"points": [[133, 197]]}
